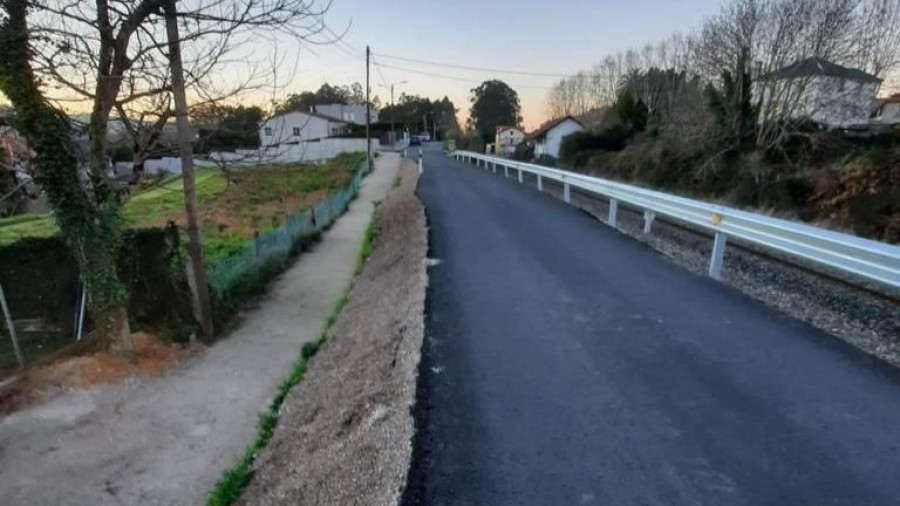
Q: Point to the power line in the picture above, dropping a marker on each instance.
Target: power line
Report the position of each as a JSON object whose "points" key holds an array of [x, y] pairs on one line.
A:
{"points": [[479, 69], [380, 73], [454, 78], [343, 45]]}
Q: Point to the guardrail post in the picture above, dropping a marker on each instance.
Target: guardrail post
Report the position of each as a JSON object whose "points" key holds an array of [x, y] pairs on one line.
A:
{"points": [[613, 212], [718, 256], [649, 216], [505, 171], [540, 183], [520, 176], [420, 166], [567, 194]]}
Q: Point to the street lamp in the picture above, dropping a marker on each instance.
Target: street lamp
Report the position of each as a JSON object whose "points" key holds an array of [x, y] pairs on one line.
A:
{"points": [[393, 135]]}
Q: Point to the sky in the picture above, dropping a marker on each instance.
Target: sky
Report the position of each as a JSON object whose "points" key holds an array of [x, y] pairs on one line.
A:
{"points": [[554, 37]]}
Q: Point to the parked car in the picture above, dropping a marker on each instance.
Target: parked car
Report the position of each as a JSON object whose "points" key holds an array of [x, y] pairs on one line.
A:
{"points": [[426, 137], [415, 140]]}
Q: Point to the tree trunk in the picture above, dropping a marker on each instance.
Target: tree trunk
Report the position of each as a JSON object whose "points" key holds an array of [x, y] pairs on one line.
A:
{"points": [[112, 331], [90, 230]]}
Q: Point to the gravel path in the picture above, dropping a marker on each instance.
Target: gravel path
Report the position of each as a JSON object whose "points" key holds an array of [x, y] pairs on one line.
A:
{"points": [[344, 436], [166, 441]]}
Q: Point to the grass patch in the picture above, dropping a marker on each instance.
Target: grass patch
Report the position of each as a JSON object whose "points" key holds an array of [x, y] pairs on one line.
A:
{"points": [[231, 208], [233, 481], [367, 245]]}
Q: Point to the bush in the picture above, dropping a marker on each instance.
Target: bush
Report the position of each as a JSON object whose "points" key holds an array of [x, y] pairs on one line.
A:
{"points": [[876, 215], [788, 193], [470, 141], [546, 160], [40, 278], [524, 152], [577, 147]]}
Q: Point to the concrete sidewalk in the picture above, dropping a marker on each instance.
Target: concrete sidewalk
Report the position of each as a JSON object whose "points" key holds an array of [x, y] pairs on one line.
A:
{"points": [[166, 441]]}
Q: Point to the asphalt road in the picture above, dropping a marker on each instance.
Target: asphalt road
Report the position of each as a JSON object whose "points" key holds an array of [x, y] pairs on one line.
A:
{"points": [[568, 364]]}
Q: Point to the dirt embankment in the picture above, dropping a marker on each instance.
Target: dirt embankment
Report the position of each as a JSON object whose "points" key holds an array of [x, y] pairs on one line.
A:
{"points": [[74, 368], [344, 436]]}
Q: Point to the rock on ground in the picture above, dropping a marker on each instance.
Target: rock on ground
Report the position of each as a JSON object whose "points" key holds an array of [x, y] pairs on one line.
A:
{"points": [[345, 432]]}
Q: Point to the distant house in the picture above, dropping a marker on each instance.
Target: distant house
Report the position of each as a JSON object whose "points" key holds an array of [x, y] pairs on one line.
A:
{"points": [[506, 140], [834, 96], [549, 136], [888, 111], [351, 113], [293, 127]]}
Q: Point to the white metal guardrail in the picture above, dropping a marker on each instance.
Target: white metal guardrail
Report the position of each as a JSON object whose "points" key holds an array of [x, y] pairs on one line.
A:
{"points": [[868, 259]]}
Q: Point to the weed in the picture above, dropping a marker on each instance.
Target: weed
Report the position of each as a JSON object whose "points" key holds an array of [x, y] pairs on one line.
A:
{"points": [[367, 245], [234, 480]]}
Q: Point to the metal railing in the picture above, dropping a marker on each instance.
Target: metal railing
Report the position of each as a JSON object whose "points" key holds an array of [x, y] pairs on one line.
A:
{"points": [[872, 260]]}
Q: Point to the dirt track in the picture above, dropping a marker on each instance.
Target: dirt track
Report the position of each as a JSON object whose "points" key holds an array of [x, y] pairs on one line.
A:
{"points": [[166, 441], [344, 437]]}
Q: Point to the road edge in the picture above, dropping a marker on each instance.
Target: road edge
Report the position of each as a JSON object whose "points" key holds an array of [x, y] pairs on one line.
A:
{"points": [[346, 435]]}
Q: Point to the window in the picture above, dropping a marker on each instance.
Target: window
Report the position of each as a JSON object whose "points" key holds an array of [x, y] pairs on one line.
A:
{"points": [[268, 131], [296, 132]]}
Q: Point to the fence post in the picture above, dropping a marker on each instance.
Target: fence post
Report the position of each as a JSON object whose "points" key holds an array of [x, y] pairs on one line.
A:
{"points": [[494, 166], [520, 176], [12, 330], [540, 183], [505, 171], [420, 165], [718, 256], [82, 302], [649, 216], [567, 194], [613, 212], [257, 248]]}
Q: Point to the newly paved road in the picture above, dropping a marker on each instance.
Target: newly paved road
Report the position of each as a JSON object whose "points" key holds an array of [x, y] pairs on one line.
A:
{"points": [[568, 364]]}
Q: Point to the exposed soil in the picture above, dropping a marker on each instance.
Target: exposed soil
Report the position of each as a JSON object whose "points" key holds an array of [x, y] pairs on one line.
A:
{"points": [[345, 433], [76, 367], [166, 440]]}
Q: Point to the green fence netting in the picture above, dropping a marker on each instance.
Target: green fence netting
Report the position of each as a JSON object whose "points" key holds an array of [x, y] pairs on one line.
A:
{"points": [[275, 245]]}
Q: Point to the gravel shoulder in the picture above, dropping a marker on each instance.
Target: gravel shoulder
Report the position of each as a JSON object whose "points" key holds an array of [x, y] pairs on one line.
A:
{"points": [[166, 440], [859, 316], [344, 436]]}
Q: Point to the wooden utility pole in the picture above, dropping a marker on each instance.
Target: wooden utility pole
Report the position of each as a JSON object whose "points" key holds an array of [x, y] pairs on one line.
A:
{"points": [[368, 114], [393, 135], [200, 289]]}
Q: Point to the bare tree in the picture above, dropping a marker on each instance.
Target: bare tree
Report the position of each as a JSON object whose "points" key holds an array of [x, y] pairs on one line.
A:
{"points": [[100, 54]]}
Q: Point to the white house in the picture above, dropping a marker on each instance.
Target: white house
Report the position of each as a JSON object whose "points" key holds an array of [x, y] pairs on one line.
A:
{"points": [[549, 136], [818, 90], [351, 113], [506, 140], [293, 127], [888, 112]]}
